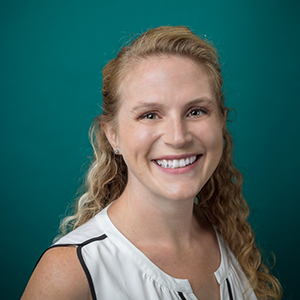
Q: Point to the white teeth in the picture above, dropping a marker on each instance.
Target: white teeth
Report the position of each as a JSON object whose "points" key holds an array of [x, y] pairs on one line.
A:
{"points": [[175, 163], [182, 163]]}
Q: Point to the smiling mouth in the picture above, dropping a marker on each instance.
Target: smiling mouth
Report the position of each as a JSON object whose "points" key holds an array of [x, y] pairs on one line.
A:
{"points": [[176, 163]]}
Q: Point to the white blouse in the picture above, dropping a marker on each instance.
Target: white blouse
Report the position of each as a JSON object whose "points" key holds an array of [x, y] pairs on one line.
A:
{"points": [[117, 270]]}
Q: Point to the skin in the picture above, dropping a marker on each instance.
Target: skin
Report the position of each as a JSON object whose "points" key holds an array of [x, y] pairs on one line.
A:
{"points": [[58, 275], [167, 110]]}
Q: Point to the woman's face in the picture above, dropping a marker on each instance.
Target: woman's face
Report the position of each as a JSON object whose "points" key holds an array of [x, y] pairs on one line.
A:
{"points": [[168, 128]]}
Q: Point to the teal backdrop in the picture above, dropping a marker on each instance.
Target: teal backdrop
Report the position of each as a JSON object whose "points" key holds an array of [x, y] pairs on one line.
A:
{"points": [[52, 54]]}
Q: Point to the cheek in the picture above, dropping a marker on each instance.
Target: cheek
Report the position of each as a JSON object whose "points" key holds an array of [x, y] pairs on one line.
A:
{"points": [[214, 139], [135, 140]]}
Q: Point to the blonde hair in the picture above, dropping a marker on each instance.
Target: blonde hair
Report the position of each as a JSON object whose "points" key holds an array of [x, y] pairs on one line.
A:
{"points": [[221, 198]]}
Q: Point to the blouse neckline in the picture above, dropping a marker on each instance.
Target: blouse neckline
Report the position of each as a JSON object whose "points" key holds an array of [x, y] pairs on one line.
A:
{"points": [[148, 267]]}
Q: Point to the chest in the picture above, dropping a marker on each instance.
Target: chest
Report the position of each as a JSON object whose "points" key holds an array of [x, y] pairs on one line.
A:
{"points": [[199, 272], [197, 266]]}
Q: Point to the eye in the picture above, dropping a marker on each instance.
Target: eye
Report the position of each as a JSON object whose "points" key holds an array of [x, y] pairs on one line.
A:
{"points": [[196, 112], [149, 116]]}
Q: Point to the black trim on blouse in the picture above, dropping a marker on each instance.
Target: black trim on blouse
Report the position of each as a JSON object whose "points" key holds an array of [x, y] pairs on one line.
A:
{"points": [[82, 262], [181, 296], [229, 289], [228, 286]]}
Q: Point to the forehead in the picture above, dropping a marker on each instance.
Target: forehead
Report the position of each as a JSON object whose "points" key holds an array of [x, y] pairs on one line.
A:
{"points": [[161, 75]]}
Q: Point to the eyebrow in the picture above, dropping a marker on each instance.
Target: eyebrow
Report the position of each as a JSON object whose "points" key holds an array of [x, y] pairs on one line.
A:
{"points": [[159, 104]]}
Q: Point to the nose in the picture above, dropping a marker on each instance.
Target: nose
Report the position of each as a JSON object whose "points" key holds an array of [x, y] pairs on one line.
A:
{"points": [[176, 133]]}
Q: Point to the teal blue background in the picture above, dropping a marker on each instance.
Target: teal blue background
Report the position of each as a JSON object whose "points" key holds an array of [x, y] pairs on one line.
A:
{"points": [[52, 54]]}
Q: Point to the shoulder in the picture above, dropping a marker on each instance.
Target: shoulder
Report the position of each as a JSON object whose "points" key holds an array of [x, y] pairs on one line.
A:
{"points": [[58, 275]]}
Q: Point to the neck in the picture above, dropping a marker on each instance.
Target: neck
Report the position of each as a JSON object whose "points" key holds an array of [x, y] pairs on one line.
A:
{"points": [[165, 221]]}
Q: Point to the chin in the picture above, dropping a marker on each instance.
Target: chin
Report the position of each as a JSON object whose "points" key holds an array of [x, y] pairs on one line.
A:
{"points": [[180, 194]]}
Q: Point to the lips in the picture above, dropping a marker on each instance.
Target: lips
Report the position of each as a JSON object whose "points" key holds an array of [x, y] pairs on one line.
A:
{"points": [[176, 163]]}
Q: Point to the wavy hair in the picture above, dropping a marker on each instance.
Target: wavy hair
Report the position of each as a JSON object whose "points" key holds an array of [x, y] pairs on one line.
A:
{"points": [[221, 198]]}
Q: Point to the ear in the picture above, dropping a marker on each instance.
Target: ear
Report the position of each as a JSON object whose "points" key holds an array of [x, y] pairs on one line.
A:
{"points": [[111, 134]]}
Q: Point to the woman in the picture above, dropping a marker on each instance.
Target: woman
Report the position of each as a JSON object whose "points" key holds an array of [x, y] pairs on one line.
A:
{"points": [[163, 216]]}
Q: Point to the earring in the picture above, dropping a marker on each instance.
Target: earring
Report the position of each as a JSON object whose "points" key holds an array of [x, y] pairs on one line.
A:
{"points": [[116, 151]]}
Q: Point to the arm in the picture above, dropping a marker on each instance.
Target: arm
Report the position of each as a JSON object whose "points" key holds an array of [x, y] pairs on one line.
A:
{"points": [[58, 275]]}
